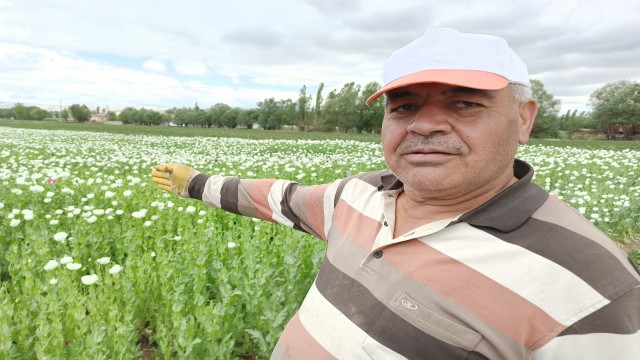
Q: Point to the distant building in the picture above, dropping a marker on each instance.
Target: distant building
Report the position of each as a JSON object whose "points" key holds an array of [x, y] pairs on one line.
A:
{"points": [[99, 118]]}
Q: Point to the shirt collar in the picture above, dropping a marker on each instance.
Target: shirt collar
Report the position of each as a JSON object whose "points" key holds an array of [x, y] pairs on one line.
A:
{"points": [[513, 206], [505, 211]]}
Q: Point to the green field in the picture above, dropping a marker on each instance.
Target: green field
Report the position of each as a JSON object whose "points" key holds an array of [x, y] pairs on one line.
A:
{"points": [[271, 135], [178, 280]]}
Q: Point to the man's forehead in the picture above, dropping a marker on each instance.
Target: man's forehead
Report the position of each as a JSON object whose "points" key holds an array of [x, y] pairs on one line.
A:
{"points": [[443, 89]]}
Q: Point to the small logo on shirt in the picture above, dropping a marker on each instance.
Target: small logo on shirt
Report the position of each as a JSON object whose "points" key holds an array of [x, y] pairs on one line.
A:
{"points": [[408, 304]]}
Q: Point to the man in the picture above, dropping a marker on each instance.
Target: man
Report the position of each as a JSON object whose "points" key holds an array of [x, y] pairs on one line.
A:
{"points": [[453, 253]]}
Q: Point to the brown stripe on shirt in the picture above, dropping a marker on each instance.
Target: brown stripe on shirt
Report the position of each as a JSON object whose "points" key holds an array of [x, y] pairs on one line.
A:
{"points": [[384, 279], [585, 258], [496, 305], [556, 212], [357, 303], [229, 195], [607, 319], [196, 186]]}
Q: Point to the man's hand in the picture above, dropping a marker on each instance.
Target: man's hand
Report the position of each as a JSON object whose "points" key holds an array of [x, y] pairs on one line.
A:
{"points": [[174, 178]]}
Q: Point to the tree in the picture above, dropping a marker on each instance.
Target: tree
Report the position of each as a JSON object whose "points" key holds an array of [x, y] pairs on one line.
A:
{"points": [[616, 108], [20, 111], [547, 118], [303, 108], [572, 121], [317, 109], [216, 112], [7, 113], [36, 113], [111, 116], [286, 112], [183, 117], [64, 115], [268, 114], [246, 118], [341, 109], [230, 118], [372, 114], [80, 112]]}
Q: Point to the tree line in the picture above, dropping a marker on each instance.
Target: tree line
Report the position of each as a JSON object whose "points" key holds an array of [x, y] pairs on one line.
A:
{"points": [[615, 112]]}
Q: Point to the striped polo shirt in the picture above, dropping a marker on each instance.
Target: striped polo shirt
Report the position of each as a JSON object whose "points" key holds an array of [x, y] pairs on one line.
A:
{"points": [[523, 276]]}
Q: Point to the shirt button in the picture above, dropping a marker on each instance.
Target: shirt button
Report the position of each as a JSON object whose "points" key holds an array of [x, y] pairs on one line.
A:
{"points": [[377, 254], [385, 223]]}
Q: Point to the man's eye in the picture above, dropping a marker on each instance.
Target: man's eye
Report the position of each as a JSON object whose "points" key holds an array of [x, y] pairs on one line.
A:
{"points": [[403, 108], [465, 105]]}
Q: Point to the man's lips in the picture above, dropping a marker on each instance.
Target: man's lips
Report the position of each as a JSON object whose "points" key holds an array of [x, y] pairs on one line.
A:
{"points": [[428, 152]]}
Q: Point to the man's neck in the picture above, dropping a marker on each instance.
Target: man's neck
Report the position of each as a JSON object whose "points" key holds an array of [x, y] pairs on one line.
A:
{"points": [[413, 211]]}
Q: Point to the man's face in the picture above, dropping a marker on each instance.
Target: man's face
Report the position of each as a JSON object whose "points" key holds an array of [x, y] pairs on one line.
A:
{"points": [[448, 141]]}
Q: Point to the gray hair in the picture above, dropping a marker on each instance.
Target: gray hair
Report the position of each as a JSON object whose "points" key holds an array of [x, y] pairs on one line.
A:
{"points": [[521, 93]]}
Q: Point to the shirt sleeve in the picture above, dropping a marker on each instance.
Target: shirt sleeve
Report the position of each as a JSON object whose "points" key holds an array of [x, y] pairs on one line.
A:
{"points": [[302, 207], [612, 332]]}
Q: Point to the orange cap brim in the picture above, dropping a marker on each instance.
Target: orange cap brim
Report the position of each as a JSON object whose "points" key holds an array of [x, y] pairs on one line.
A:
{"points": [[467, 78]]}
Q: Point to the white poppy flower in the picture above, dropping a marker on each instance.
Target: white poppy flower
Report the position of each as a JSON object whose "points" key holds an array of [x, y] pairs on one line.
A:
{"points": [[28, 215], [14, 222], [231, 244], [52, 264], [36, 188], [103, 260], [53, 281], [66, 260], [127, 193], [115, 269], [89, 279], [60, 237], [73, 266]]}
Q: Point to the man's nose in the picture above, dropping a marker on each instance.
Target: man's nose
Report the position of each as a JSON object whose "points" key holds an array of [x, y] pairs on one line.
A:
{"points": [[430, 119]]}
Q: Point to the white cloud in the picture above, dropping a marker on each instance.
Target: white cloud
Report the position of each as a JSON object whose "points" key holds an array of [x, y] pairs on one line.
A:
{"points": [[43, 76], [154, 65], [256, 47], [190, 68]]}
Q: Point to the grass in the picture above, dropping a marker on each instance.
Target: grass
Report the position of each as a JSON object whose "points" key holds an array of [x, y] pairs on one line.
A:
{"points": [[272, 134]]}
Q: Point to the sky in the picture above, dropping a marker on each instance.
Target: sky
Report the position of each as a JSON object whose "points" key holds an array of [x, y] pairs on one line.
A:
{"points": [[161, 54]]}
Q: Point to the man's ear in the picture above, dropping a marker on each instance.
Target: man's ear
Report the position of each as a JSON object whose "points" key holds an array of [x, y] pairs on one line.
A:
{"points": [[527, 112]]}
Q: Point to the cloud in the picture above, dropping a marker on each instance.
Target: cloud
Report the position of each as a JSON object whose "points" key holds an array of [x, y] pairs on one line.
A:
{"points": [[190, 68], [40, 76], [154, 65], [573, 47]]}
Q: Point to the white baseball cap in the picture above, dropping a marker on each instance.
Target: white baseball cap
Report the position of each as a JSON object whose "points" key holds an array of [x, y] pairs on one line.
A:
{"points": [[451, 57]]}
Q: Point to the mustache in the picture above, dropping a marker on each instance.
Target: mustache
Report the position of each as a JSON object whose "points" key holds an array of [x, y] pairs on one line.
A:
{"points": [[417, 142]]}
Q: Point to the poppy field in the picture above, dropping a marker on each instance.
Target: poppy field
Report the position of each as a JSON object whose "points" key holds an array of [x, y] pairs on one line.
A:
{"points": [[96, 263]]}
